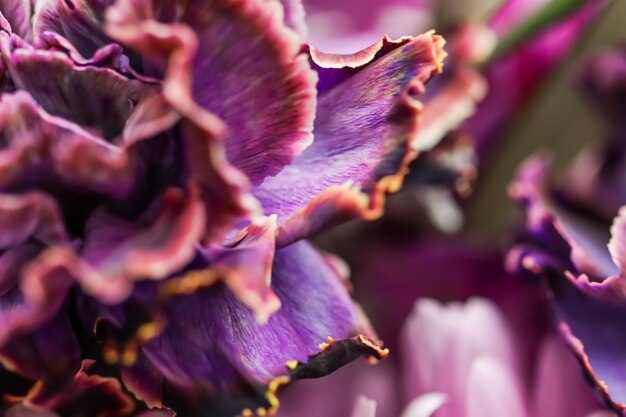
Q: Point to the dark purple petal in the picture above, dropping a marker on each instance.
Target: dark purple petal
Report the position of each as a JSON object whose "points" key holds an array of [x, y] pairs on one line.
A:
{"points": [[41, 150], [594, 329], [84, 395], [566, 233], [364, 134], [32, 295], [270, 86], [118, 252], [49, 355], [516, 76], [604, 80]]}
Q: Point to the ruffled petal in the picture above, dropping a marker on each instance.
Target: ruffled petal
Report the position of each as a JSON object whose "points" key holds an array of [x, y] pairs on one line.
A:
{"points": [[270, 105], [114, 123], [80, 21], [117, 253], [33, 295], [84, 395], [98, 99], [247, 268], [593, 330], [18, 14], [49, 355], [225, 347], [224, 189], [363, 137]]}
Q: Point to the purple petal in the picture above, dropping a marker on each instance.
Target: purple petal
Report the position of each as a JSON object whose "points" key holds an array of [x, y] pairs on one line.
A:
{"points": [[224, 189], [273, 124], [513, 78], [294, 16], [98, 99], [49, 354], [226, 349], [362, 136], [247, 268], [84, 395], [31, 296], [118, 252], [565, 233]]}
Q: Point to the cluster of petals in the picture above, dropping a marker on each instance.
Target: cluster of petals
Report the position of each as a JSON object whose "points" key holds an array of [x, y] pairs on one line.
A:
{"points": [[161, 163]]}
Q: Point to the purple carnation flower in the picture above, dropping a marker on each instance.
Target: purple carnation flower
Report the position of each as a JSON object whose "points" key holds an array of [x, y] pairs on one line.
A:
{"points": [[575, 235], [160, 165]]}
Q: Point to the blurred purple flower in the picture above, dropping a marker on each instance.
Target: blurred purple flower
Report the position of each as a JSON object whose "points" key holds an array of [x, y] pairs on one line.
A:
{"points": [[155, 194], [574, 235]]}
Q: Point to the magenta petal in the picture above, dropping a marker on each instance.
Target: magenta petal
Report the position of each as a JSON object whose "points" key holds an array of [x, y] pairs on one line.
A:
{"points": [[364, 132], [566, 233], [18, 14]]}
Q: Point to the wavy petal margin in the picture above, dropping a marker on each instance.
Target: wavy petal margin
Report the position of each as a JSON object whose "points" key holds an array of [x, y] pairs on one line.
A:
{"points": [[172, 47], [593, 329], [269, 116], [227, 350], [364, 137]]}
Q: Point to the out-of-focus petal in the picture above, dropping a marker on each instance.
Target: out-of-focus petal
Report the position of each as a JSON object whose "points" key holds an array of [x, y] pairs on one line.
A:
{"points": [[560, 388], [592, 328], [33, 295], [442, 343], [363, 137], [364, 407], [493, 391], [566, 233], [424, 405], [515, 76], [294, 16], [18, 13], [83, 395]]}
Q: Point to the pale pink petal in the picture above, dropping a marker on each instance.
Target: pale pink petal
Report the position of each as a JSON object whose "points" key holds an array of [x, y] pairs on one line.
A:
{"points": [[493, 391], [424, 405], [364, 407]]}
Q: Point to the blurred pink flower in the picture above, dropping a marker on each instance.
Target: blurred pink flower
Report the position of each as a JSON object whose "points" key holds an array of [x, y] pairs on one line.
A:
{"points": [[460, 359]]}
